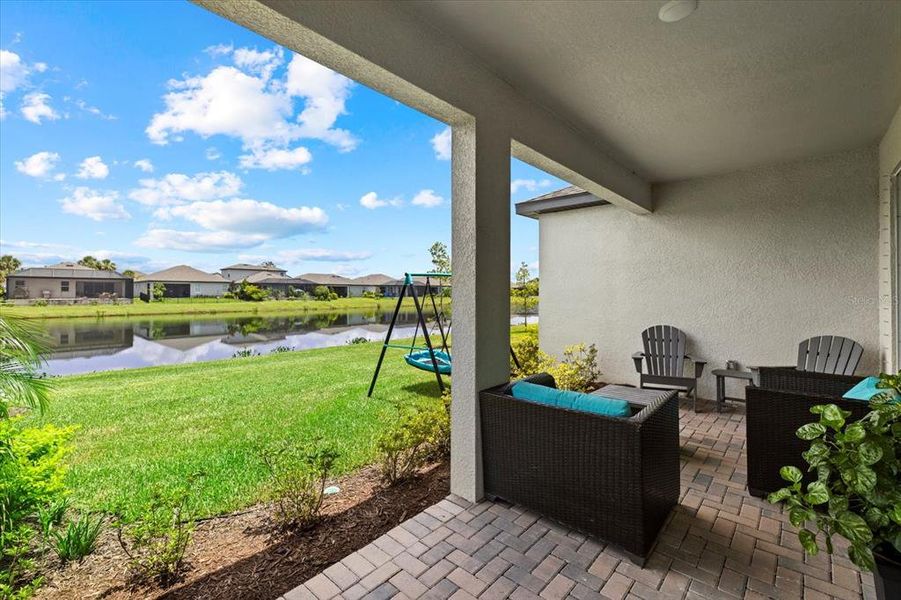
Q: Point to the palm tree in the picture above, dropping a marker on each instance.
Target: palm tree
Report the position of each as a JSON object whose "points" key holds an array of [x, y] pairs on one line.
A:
{"points": [[90, 262], [106, 265], [22, 353]]}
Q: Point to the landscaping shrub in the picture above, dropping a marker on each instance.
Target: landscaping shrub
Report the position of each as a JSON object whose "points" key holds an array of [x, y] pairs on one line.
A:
{"points": [[324, 293], [418, 435], [244, 353], [358, 340], [280, 349], [157, 540], [31, 478], [249, 292], [528, 355], [78, 538], [578, 371], [297, 477]]}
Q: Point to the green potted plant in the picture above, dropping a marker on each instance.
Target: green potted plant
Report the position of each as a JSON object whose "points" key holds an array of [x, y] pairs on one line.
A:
{"points": [[857, 491]]}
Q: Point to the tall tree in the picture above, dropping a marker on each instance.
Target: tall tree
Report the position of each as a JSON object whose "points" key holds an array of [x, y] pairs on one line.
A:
{"points": [[268, 263], [522, 275], [9, 264], [440, 258], [106, 265], [129, 273], [89, 262]]}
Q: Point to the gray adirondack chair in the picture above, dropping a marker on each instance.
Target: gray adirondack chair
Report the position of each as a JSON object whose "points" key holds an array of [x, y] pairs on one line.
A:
{"points": [[664, 359], [829, 354]]}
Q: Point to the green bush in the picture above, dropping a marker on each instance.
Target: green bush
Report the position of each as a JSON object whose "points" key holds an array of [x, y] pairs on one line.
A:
{"points": [[357, 340], [324, 294], [407, 445], [157, 540], [857, 492], [297, 477], [528, 355], [578, 371], [31, 478], [78, 538]]}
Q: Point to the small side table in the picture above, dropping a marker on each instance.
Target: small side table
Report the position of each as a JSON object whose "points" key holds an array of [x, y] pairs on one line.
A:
{"points": [[721, 375]]}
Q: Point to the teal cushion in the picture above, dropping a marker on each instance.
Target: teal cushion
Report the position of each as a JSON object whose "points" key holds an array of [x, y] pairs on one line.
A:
{"points": [[598, 405], [865, 390]]}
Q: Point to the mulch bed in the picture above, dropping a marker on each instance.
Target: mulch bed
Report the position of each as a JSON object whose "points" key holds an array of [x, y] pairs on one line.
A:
{"points": [[240, 556]]}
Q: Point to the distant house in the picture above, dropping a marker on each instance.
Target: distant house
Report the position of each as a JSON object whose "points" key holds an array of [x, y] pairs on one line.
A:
{"points": [[242, 271], [378, 282], [67, 282], [184, 282], [344, 287], [280, 283]]}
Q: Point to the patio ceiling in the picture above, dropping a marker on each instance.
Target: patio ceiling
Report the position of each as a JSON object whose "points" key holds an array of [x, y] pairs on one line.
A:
{"points": [[736, 84]]}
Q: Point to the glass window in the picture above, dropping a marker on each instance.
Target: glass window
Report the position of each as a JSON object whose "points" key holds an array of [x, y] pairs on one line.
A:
{"points": [[64, 286], [20, 283]]}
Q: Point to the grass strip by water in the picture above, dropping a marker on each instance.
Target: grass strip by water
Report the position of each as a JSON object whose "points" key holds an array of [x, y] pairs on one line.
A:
{"points": [[198, 306], [141, 428]]}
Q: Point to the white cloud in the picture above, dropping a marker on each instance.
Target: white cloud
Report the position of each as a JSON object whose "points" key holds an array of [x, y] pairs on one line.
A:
{"points": [[177, 188], [273, 159], [38, 165], [372, 201], [35, 107], [530, 185], [247, 102], [94, 205], [227, 101], [212, 153], [259, 62], [325, 93], [250, 217], [145, 165], [92, 167], [427, 198], [441, 143], [13, 71], [94, 110], [198, 241], [321, 254]]}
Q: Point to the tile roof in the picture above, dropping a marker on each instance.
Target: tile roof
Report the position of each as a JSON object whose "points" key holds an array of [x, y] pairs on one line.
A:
{"points": [[250, 267], [71, 270], [327, 279], [377, 279], [184, 273]]}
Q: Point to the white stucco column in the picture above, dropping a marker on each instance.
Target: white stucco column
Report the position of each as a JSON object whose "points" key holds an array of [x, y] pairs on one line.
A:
{"points": [[481, 267]]}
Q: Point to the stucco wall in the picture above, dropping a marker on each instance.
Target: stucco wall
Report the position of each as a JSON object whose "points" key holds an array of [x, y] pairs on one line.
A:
{"points": [[889, 249], [37, 285], [747, 264]]}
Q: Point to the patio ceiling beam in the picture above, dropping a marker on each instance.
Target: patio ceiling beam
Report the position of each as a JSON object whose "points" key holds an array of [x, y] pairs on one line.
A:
{"points": [[385, 47]]}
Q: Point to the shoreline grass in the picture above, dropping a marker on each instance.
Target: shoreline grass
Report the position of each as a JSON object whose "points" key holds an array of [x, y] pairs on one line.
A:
{"points": [[138, 428], [194, 307]]}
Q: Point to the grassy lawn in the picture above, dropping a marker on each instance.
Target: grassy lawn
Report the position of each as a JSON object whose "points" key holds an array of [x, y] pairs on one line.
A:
{"points": [[156, 426], [197, 306]]}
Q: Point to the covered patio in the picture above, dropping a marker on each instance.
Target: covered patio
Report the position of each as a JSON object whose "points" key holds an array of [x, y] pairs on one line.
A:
{"points": [[740, 165], [720, 542]]}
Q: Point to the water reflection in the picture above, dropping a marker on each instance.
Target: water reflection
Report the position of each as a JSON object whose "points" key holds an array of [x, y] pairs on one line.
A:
{"points": [[85, 345]]}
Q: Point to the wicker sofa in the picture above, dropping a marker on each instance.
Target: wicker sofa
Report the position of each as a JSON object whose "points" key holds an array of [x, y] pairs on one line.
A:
{"points": [[776, 408], [613, 478]]}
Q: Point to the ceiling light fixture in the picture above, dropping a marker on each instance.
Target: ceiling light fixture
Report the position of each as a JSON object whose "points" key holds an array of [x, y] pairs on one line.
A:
{"points": [[676, 10]]}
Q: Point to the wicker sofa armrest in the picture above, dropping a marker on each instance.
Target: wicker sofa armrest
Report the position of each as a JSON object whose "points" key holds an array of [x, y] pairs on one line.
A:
{"points": [[790, 379]]}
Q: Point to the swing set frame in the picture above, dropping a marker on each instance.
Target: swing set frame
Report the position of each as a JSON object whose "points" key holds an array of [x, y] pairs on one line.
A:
{"points": [[410, 287]]}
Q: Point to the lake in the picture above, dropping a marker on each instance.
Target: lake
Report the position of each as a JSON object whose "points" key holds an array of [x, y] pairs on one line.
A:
{"points": [[86, 345]]}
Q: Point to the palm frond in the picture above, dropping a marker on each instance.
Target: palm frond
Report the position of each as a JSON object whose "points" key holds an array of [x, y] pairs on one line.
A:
{"points": [[22, 350]]}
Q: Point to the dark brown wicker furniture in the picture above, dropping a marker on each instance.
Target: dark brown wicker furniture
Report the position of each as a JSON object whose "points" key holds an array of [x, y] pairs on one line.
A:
{"points": [[614, 478], [776, 409]]}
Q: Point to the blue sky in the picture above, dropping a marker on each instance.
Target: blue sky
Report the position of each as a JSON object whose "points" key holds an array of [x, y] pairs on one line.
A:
{"points": [[158, 134]]}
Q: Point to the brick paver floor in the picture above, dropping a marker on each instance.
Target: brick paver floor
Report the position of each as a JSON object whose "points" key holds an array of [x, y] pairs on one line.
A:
{"points": [[719, 543]]}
